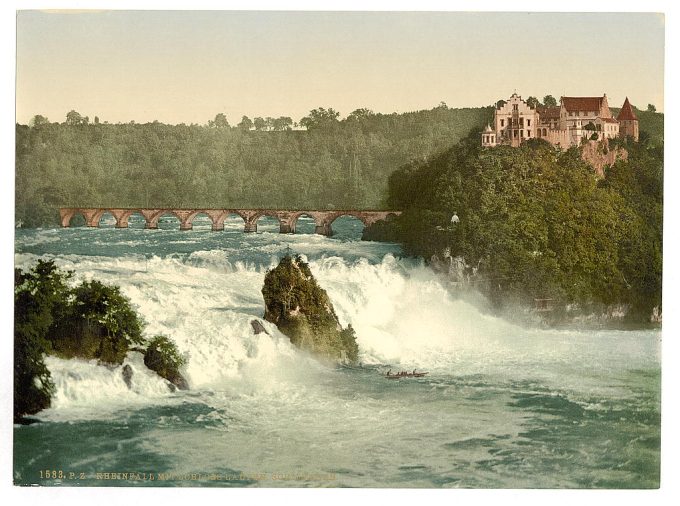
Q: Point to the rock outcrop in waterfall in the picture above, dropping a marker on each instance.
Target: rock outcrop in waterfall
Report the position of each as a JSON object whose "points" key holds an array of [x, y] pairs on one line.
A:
{"points": [[301, 309]]}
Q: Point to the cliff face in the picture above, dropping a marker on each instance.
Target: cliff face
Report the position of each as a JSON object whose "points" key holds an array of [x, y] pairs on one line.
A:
{"points": [[599, 155], [301, 309]]}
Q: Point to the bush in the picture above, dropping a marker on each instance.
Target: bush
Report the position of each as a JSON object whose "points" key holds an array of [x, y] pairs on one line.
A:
{"points": [[39, 295], [163, 357], [100, 324]]}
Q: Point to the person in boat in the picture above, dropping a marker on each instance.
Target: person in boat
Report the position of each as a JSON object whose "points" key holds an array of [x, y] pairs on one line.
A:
{"points": [[389, 373]]}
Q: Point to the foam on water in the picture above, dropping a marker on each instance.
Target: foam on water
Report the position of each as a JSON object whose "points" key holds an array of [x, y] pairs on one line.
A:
{"points": [[403, 316], [503, 405]]}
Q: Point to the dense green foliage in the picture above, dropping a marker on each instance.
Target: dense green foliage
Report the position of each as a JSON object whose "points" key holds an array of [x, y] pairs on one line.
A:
{"points": [[333, 164], [302, 310], [90, 320], [99, 324], [39, 294], [535, 222], [163, 357]]}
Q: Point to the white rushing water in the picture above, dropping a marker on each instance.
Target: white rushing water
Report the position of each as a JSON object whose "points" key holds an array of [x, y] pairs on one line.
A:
{"points": [[265, 405], [403, 315]]}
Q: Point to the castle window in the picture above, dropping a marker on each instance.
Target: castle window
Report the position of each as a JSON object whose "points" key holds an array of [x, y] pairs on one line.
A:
{"points": [[528, 122], [502, 122], [528, 133]]}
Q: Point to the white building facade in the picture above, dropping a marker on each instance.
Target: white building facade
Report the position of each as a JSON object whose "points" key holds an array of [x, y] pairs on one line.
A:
{"points": [[576, 120]]}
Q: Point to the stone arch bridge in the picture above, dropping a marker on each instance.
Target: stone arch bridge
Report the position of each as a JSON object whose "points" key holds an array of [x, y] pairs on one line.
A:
{"points": [[287, 218]]}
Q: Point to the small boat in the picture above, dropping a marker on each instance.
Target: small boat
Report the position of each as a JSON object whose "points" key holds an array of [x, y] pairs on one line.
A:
{"points": [[405, 374]]}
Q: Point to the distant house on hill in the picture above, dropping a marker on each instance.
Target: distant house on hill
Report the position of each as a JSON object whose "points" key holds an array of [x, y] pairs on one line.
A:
{"points": [[576, 119]]}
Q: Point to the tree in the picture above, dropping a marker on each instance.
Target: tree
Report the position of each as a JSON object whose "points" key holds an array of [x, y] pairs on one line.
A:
{"points": [[500, 104], [246, 123], [549, 101], [260, 124], [519, 230], [359, 114], [533, 102], [282, 123], [99, 324], [220, 121], [651, 108], [38, 121], [320, 118], [73, 118], [40, 296], [96, 120]]}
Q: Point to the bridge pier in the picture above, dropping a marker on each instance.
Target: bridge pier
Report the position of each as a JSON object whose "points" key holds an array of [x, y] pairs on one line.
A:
{"points": [[250, 227], [285, 228], [324, 229]]}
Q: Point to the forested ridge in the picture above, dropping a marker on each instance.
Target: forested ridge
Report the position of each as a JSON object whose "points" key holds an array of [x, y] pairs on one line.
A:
{"points": [[332, 163], [535, 223]]}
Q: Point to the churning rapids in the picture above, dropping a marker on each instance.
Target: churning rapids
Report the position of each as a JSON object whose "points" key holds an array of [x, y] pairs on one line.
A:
{"points": [[503, 406]]}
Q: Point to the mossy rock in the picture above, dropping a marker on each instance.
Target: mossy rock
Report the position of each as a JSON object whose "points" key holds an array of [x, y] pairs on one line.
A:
{"points": [[163, 357], [302, 310]]}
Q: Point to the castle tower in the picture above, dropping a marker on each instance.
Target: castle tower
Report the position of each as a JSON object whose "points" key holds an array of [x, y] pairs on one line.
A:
{"points": [[628, 123], [488, 137]]}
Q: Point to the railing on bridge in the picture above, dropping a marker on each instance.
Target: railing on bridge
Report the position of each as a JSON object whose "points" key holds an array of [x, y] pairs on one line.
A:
{"points": [[287, 218]]}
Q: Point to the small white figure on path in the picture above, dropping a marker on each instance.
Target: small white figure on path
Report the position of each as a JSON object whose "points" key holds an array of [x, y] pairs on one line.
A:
{"points": [[454, 218]]}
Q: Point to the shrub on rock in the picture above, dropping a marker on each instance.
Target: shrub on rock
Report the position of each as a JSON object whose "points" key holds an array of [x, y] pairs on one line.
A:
{"points": [[100, 324], [163, 357]]}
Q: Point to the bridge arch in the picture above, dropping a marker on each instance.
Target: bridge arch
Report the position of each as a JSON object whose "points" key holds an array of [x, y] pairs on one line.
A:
{"points": [[74, 219], [165, 219], [130, 218], [304, 227], [351, 225], [201, 224], [105, 219], [234, 220], [272, 221]]}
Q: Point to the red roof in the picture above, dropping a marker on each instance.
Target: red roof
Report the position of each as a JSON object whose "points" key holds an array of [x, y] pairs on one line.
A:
{"points": [[547, 113], [626, 112], [582, 103], [609, 120]]}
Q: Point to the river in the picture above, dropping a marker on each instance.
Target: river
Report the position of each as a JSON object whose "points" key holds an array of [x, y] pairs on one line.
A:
{"points": [[502, 405]]}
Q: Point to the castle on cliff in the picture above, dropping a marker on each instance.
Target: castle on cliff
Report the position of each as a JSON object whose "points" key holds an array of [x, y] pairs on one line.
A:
{"points": [[576, 119]]}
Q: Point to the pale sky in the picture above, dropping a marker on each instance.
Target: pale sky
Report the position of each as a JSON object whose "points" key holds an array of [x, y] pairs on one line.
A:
{"points": [[186, 66]]}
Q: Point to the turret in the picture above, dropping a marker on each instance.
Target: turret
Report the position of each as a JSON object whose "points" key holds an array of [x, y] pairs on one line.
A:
{"points": [[488, 137], [629, 126]]}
